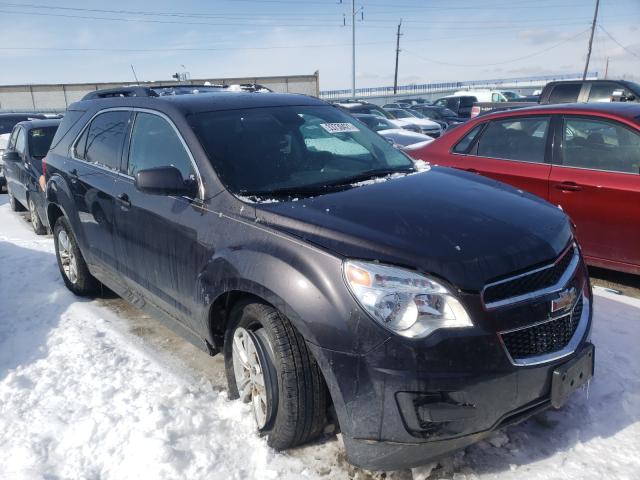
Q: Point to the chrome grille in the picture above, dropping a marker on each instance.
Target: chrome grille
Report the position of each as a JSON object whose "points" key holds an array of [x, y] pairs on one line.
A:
{"points": [[528, 282], [544, 338]]}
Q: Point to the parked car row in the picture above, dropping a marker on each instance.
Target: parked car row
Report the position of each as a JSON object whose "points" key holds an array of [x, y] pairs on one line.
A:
{"points": [[568, 91], [27, 146], [417, 310], [7, 122], [583, 157]]}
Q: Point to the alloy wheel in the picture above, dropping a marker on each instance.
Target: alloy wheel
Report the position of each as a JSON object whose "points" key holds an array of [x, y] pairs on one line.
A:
{"points": [[35, 220], [249, 374], [67, 257]]}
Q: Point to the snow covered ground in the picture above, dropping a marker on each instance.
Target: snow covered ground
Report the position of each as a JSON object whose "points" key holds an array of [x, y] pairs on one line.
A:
{"points": [[96, 390]]}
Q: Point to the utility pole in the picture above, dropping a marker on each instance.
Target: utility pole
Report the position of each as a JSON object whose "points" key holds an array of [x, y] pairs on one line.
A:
{"points": [[353, 49], [593, 28], [395, 77], [134, 73], [606, 69]]}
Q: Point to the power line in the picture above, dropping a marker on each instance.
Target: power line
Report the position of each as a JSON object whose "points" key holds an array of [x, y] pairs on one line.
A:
{"points": [[233, 46], [626, 49], [170, 22], [253, 24], [502, 62]]}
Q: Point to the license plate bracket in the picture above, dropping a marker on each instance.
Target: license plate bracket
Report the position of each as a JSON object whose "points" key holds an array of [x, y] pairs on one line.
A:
{"points": [[569, 377]]}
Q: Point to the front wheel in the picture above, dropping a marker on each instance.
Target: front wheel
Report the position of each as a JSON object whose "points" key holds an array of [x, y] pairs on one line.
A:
{"points": [[269, 366], [73, 268]]}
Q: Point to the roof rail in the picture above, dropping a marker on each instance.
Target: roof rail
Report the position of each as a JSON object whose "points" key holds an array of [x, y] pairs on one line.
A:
{"points": [[120, 92]]}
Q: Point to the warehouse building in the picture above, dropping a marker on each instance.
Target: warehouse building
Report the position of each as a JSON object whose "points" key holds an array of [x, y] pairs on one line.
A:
{"points": [[57, 97]]}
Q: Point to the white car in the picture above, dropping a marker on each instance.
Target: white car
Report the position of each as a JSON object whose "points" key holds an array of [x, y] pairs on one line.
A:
{"points": [[401, 138], [4, 140], [406, 116], [360, 107]]}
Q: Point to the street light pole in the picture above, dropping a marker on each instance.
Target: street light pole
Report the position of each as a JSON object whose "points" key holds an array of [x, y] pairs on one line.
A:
{"points": [[593, 28], [395, 76], [353, 49]]}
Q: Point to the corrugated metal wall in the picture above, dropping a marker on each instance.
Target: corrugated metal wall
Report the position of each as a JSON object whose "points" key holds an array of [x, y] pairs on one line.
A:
{"points": [[56, 98]]}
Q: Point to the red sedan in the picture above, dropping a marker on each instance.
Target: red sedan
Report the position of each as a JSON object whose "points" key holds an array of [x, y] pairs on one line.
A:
{"points": [[584, 158]]}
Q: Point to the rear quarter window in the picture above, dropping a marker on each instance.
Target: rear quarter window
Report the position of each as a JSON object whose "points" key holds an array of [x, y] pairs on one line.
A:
{"points": [[70, 118], [465, 143]]}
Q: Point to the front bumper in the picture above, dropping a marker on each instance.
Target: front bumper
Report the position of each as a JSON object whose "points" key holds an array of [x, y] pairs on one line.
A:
{"points": [[408, 402]]}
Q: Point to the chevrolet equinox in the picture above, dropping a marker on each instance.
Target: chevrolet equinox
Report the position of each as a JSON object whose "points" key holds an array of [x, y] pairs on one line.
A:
{"points": [[416, 310]]}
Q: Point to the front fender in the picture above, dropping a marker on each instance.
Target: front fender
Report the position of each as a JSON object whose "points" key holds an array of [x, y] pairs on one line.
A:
{"points": [[304, 283]]}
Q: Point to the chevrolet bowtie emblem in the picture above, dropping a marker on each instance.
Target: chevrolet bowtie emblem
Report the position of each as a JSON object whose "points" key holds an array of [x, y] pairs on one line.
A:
{"points": [[565, 299]]}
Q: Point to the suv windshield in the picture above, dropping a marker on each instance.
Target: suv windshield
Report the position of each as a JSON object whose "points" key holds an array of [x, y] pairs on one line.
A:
{"points": [[293, 150], [396, 112], [40, 141], [418, 114], [375, 122]]}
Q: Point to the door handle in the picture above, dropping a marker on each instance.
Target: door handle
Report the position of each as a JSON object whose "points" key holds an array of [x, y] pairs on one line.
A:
{"points": [[568, 187], [123, 200]]}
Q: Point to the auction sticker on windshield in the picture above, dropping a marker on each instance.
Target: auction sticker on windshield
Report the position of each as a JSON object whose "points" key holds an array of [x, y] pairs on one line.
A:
{"points": [[339, 127]]}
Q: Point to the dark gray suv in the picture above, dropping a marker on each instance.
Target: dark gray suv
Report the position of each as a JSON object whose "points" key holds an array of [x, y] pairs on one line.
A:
{"points": [[418, 311]]}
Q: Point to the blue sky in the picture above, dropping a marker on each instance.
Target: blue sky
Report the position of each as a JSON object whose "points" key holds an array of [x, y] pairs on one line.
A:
{"points": [[76, 41]]}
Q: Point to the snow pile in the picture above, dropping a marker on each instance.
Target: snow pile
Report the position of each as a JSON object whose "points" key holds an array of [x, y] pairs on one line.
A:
{"points": [[82, 397], [421, 166]]}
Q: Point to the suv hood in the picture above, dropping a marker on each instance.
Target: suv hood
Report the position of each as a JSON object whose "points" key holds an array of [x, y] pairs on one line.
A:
{"points": [[459, 226]]}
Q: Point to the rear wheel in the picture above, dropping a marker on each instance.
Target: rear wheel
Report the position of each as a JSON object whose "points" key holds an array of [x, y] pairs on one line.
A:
{"points": [[73, 268], [36, 223], [269, 366]]}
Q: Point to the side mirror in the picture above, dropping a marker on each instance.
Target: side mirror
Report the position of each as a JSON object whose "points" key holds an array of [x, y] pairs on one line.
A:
{"points": [[11, 156], [163, 181]]}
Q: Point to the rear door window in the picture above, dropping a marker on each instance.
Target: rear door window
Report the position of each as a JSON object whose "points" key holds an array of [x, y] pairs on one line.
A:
{"points": [[565, 93], [104, 139], [600, 145], [602, 92], [521, 138]]}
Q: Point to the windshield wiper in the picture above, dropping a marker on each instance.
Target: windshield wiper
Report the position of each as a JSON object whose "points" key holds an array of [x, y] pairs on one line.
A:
{"points": [[288, 191], [308, 190], [370, 174]]}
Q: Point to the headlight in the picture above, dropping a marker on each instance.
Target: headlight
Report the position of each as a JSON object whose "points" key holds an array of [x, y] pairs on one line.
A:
{"points": [[405, 302]]}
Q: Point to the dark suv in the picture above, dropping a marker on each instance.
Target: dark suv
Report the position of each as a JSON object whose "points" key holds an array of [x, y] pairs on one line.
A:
{"points": [[416, 311], [460, 105]]}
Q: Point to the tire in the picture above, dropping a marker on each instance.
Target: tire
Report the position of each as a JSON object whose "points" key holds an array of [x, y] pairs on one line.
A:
{"points": [[73, 268], [15, 205], [36, 223], [295, 389]]}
